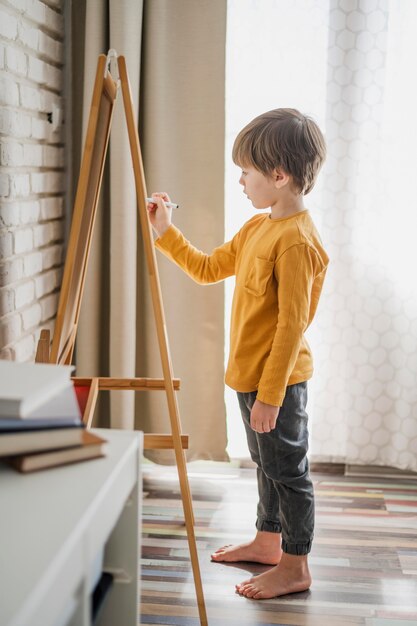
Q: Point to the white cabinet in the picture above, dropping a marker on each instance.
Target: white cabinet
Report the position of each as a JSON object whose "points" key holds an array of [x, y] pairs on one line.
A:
{"points": [[61, 527]]}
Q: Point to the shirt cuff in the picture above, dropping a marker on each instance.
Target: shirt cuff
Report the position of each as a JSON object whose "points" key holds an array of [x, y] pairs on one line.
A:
{"points": [[270, 398], [168, 237]]}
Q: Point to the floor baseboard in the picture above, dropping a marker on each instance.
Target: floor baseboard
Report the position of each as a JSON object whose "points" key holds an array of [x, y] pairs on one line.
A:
{"points": [[381, 471], [345, 469]]}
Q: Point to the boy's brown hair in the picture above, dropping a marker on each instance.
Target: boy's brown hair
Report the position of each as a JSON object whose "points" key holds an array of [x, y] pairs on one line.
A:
{"points": [[285, 139]]}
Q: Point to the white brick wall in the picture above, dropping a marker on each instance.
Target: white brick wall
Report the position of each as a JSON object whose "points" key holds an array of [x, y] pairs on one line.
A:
{"points": [[32, 168]]}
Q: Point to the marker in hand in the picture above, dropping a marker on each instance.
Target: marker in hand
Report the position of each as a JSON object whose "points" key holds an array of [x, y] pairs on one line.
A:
{"points": [[170, 205]]}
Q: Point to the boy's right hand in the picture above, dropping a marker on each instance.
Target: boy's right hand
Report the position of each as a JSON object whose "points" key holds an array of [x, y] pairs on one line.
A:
{"points": [[159, 213]]}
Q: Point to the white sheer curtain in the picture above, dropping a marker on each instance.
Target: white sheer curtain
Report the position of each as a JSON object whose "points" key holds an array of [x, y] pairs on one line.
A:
{"points": [[349, 63]]}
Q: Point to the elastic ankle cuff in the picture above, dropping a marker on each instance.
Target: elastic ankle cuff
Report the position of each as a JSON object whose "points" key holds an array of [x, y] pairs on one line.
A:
{"points": [[268, 526], [298, 549]]}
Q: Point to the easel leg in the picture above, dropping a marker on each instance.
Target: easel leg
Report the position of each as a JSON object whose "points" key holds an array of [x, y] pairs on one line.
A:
{"points": [[192, 544], [184, 487], [91, 403], [162, 333]]}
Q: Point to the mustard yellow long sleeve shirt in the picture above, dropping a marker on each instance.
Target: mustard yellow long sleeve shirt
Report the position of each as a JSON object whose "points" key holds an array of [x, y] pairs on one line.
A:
{"points": [[280, 265]]}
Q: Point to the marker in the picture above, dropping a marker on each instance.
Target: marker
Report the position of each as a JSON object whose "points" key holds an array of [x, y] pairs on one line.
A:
{"points": [[171, 205]]}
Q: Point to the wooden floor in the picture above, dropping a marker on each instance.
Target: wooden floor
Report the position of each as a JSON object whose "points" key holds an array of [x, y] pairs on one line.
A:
{"points": [[363, 562]]}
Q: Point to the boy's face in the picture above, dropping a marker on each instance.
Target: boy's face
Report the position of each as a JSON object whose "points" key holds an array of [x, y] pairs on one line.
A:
{"points": [[261, 190]]}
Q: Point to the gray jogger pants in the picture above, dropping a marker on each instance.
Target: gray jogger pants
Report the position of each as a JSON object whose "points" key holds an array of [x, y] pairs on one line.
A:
{"points": [[286, 496]]}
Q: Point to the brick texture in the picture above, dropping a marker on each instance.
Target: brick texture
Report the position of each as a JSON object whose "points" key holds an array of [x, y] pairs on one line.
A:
{"points": [[32, 172]]}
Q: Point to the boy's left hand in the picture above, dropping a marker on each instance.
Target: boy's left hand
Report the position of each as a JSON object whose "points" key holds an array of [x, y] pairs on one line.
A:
{"points": [[263, 417]]}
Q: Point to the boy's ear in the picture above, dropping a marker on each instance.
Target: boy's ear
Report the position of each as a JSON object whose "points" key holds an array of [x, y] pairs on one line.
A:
{"points": [[280, 177]]}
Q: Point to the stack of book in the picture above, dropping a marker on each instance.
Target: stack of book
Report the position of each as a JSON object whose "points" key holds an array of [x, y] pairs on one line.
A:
{"points": [[40, 420]]}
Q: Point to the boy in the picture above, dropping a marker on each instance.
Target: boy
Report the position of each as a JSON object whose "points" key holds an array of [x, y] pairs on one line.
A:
{"points": [[280, 265]]}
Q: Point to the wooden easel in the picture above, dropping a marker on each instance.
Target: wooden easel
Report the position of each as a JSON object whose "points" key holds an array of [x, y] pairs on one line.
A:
{"points": [[61, 351]]}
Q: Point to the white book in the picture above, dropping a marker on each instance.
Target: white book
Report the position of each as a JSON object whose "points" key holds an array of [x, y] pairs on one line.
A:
{"points": [[62, 408], [26, 386]]}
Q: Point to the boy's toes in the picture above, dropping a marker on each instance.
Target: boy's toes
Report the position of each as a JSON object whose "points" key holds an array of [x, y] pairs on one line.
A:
{"points": [[243, 587], [220, 552], [249, 591], [229, 545]]}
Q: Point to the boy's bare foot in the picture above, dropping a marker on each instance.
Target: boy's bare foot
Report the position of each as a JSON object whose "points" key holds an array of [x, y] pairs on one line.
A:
{"points": [[291, 576], [265, 548]]}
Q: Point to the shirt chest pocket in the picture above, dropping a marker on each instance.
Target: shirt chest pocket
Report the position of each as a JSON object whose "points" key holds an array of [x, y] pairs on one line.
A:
{"points": [[258, 276]]}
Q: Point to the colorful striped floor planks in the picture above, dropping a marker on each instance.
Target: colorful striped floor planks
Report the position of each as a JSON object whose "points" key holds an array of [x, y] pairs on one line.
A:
{"points": [[363, 562]]}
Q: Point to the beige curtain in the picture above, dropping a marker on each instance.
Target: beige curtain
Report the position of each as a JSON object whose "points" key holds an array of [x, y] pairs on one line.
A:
{"points": [[177, 48]]}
